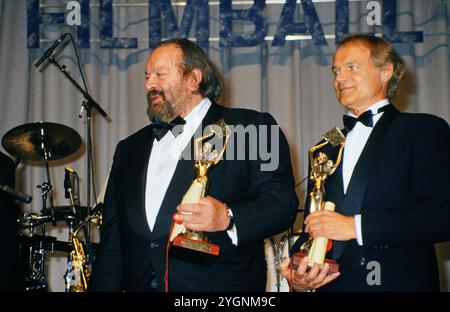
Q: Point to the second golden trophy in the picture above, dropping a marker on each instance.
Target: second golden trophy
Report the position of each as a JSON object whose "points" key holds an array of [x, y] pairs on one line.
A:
{"points": [[321, 168], [186, 244]]}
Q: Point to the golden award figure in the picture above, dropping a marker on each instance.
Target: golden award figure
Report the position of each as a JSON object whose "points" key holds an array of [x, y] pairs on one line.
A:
{"points": [[321, 168], [209, 149]]}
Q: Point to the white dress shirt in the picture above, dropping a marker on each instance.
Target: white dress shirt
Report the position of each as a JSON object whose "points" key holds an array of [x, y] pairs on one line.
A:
{"points": [[163, 162], [164, 159], [354, 145]]}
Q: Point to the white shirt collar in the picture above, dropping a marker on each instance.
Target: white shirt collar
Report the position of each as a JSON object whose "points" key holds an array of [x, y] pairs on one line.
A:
{"points": [[199, 111], [374, 108]]}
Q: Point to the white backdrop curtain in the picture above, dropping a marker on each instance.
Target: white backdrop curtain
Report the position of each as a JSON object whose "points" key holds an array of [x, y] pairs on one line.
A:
{"points": [[291, 82]]}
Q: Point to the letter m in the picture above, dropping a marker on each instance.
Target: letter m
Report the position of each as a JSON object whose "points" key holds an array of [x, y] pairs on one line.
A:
{"points": [[160, 11]]}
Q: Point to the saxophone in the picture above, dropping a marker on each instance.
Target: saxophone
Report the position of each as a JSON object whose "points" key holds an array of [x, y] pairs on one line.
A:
{"points": [[77, 274]]}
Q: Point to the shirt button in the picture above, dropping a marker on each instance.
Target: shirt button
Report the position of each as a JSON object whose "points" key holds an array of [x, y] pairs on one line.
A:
{"points": [[362, 261], [154, 283]]}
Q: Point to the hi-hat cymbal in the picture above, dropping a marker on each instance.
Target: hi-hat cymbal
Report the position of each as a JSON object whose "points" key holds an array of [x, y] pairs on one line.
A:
{"points": [[29, 140]]}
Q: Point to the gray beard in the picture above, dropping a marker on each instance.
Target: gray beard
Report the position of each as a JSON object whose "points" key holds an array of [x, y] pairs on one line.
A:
{"points": [[167, 113]]}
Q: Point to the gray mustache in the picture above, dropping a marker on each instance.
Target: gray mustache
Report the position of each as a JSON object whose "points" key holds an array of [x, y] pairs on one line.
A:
{"points": [[154, 92]]}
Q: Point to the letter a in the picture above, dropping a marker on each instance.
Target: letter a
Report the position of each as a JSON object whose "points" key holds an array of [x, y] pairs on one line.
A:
{"points": [[374, 16], [374, 276], [74, 16]]}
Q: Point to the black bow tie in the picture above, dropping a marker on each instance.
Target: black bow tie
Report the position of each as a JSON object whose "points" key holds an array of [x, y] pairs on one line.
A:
{"points": [[161, 127], [365, 118]]}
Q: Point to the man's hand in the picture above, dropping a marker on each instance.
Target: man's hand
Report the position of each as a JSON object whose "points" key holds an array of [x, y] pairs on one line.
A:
{"points": [[331, 225], [301, 280], [208, 215]]}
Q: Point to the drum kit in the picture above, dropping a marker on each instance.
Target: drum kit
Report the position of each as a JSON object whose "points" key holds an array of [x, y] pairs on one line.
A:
{"points": [[45, 142]]}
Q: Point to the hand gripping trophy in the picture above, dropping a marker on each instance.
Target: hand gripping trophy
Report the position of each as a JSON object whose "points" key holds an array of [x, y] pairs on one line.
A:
{"points": [[321, 168], [187, 244]]}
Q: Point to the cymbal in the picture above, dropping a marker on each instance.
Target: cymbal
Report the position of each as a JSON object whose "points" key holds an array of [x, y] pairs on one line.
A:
{"points": [[28, 141]]}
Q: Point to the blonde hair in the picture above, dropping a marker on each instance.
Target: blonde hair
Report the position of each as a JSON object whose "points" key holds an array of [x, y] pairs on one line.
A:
{"points": [[382, 52]]}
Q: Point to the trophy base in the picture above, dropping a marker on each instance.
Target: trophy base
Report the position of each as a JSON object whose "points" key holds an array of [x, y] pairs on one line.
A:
{"points": [[190, 250], [298, 256]]}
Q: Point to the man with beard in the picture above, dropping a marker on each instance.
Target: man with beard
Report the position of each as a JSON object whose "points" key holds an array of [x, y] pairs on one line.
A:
{"points": [[245, 203]]}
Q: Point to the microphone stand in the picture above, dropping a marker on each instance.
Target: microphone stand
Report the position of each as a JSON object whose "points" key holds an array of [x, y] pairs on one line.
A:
{"points": [[88, 104]]}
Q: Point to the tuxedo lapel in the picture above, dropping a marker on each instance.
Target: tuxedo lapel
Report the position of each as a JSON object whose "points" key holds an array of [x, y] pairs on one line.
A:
{"points": [[136, 183], [182, 178], [334, 188], [213, 115], [358, 182], [357, 187]]}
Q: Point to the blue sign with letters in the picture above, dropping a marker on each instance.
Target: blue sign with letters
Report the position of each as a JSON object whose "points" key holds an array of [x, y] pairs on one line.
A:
{"points": [[161, 16]]}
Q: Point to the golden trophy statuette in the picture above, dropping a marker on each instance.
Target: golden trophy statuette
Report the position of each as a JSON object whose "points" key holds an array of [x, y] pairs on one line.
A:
{"points": [[321, 168], [209, 149]]}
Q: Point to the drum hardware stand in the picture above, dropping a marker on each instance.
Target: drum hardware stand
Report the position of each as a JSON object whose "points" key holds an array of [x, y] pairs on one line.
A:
{"points": [[276, 261], [46, 187], [35, 278]]}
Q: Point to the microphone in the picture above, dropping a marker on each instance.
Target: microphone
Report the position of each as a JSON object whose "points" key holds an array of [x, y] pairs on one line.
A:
{"points": [[17, 195], [50, 50], [67, 181]]}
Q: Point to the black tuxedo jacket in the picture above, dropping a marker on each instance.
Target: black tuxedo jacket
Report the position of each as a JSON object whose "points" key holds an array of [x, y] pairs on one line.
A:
{"points": [[400, 186], [131, 257], [8, 227]]}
